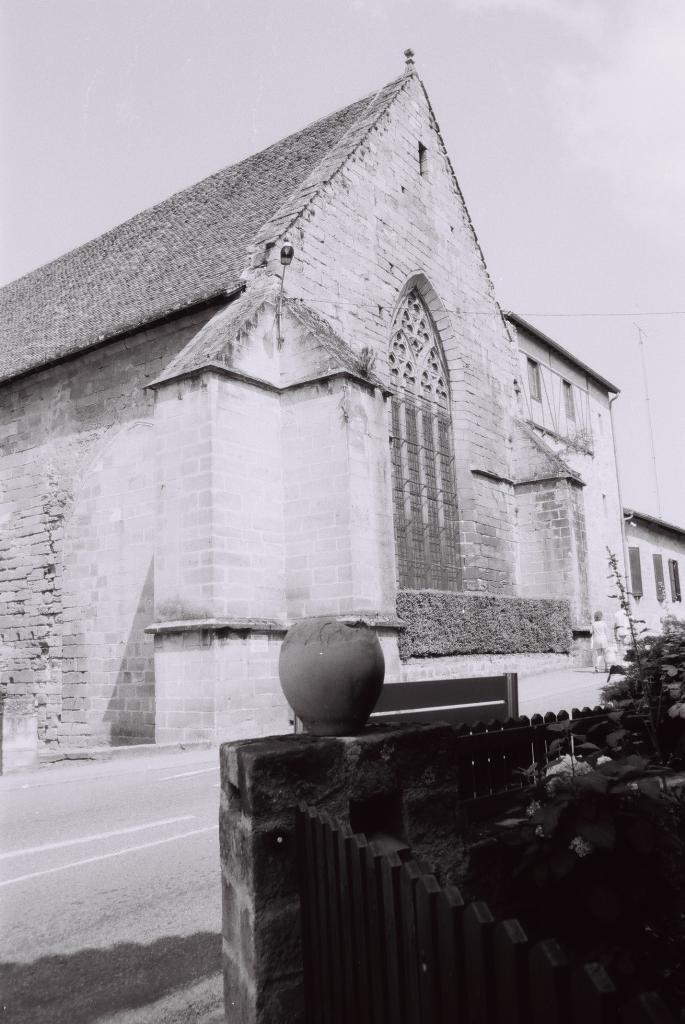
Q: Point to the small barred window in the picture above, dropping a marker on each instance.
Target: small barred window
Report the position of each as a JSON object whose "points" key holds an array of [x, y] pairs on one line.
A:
{"points": [[424, 482]]}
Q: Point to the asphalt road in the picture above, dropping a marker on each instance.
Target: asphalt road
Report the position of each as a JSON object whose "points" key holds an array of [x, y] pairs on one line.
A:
{"points": [[110, 907], [109, 893]]}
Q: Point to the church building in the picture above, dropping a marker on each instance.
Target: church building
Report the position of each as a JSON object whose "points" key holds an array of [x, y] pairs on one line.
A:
{"points": [[289, 390]]}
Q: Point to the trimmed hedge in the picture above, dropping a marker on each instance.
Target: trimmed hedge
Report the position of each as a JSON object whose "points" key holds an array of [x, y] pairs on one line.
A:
{"points": [[438, 623]]}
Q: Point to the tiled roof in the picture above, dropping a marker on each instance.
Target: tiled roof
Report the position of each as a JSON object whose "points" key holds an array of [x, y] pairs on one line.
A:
{"points": [[189, 248], [630, 514]]}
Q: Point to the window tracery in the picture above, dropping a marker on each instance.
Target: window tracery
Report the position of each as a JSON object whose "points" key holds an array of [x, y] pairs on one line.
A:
{"points": [[424, 483]]}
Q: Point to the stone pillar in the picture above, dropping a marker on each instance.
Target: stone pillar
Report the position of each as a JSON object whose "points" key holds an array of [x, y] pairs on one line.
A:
{"points": [[219, 559], [391, 781]]}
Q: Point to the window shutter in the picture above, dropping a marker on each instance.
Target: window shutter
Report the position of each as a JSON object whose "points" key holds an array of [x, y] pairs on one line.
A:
{"points": [[674, 577], [534, 380], [659, 577], [635, 572]]}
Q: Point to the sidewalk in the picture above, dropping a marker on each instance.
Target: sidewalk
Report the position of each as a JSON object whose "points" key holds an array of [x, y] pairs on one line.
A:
{"points": [[560, 691], [548, 691], [71, 770]]}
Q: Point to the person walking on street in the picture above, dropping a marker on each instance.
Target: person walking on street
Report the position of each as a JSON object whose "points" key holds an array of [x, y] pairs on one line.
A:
{"points": [[599, 643]]}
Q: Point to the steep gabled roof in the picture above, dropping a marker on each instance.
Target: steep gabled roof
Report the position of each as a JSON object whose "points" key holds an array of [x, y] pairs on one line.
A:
{"points": [[189, 248]]}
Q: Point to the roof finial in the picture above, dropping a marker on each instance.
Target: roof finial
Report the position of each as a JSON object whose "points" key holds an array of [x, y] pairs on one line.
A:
{"points": [[409, 58]]}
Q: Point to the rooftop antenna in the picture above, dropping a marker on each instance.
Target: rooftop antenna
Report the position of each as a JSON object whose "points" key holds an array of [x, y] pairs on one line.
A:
{"points": [[640, 335]]}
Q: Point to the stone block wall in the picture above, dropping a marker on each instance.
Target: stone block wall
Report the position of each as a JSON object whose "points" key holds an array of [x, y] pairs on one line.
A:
{"points": [[219, 550], [552, 544], [378, 227], [76, 538], [338, 513], [586, 445], [217, 683], [400, 782]]}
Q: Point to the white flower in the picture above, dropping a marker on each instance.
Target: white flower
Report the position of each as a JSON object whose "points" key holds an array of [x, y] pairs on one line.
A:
{"points": [[533, 808], [564, 769], [568, 765], [539, 831], [602, 760], [580, 847]]}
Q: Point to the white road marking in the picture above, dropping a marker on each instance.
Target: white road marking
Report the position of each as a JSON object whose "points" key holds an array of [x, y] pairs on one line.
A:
{"points": [[184, 775], [98, 835], [9, 784], [106, 856]]}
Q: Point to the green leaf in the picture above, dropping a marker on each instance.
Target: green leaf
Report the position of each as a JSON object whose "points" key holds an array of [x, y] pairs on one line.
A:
{"points": [[614, 738], [671, 670], [593, 782], [651, 788], [550, 817], [601, 833]]}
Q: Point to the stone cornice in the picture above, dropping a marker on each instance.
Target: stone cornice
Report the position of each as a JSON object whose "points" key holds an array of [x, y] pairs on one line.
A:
{"points": [[265, 385], [495, 477], [376, 620], [216, 625]]}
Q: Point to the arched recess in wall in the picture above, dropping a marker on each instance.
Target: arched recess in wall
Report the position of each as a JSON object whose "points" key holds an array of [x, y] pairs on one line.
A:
{"points": [[425, 508], [108, 677]]}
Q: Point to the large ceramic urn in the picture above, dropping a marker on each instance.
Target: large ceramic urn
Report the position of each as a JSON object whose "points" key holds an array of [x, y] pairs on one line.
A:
{"points": [[331, 673]]}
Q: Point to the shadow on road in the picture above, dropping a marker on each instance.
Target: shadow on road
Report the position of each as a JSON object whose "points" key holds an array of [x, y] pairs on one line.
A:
{"points": [[81, 987]]}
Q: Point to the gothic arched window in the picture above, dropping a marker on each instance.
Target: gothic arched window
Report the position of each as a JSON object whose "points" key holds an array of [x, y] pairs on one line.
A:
{"points": [[423, 477]]}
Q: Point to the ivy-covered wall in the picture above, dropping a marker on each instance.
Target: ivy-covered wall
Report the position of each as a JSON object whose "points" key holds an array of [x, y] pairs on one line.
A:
{"points": [[439, 623]]}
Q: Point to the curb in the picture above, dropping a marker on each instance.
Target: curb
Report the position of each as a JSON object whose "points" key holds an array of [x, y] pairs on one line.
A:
{"points": [[90, 754]]}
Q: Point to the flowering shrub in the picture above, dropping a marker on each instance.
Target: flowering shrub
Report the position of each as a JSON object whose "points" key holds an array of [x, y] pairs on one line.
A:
{"points": [[593, 854], [615, 811], [654, 682]]}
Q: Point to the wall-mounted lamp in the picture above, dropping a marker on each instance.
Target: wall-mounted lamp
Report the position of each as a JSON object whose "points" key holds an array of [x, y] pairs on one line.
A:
{"points": [[287, 253]]}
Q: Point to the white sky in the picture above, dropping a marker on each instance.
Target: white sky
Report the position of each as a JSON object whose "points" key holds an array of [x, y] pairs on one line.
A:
{"points": [[563, 118]]}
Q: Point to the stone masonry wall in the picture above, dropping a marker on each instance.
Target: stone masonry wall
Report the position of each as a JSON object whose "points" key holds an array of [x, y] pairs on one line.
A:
{"points": [[552, 543], [400, 782], [338, 512], [76, 542], [599, 504], [219, 522], [380, 226]]}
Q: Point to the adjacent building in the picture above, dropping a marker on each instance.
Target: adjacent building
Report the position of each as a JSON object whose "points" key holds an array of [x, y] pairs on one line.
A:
{"points": [[656, 556]]}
